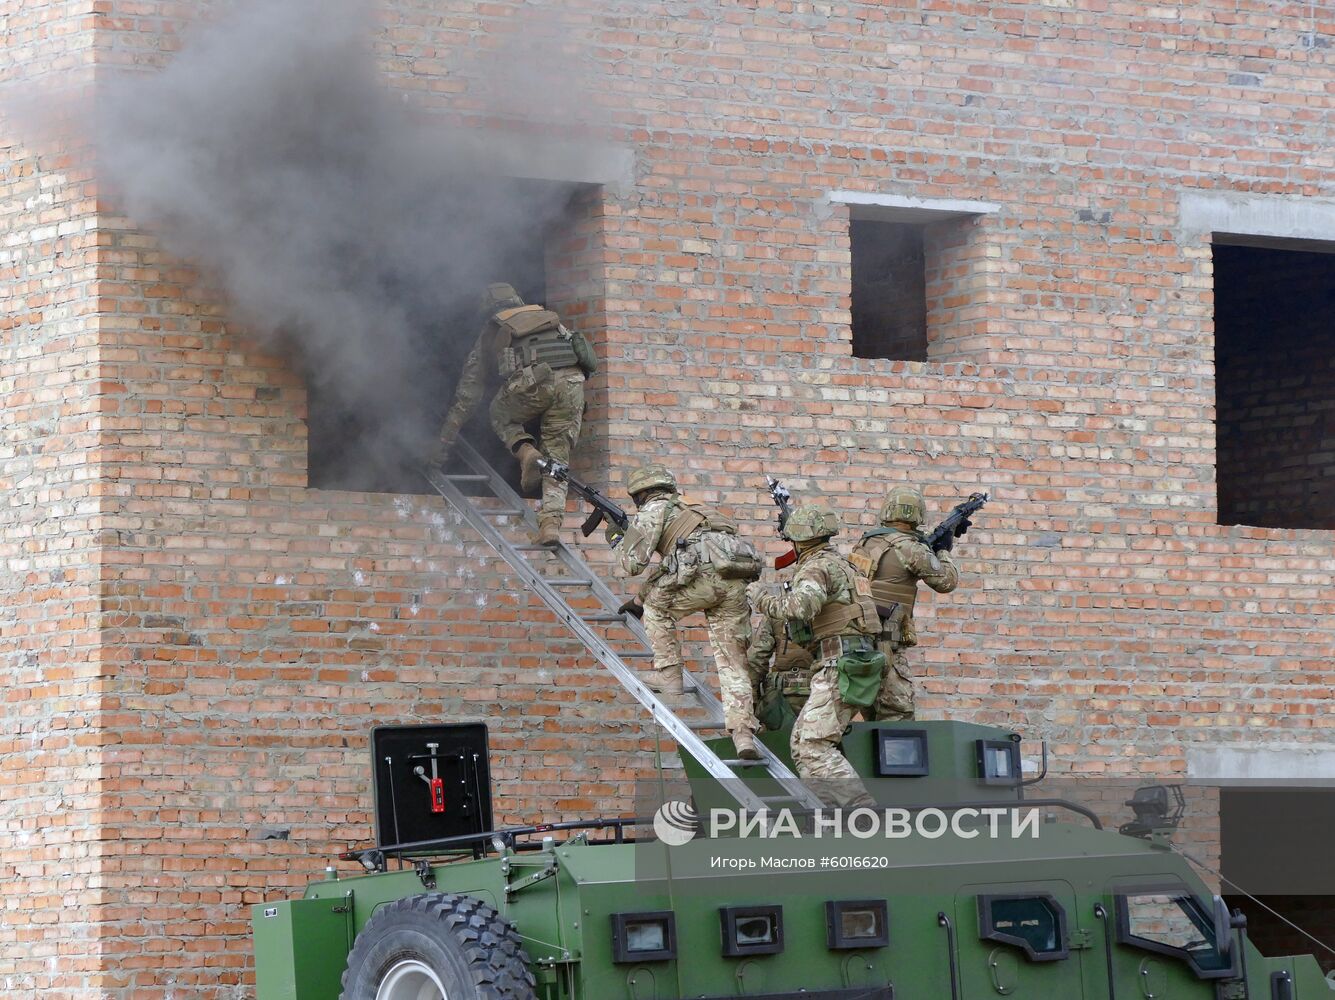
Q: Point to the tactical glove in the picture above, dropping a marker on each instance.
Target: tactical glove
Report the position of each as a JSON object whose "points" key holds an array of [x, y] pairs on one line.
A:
{"points": [[947, 543], [755, 592], [632, 606], [613, 534]]}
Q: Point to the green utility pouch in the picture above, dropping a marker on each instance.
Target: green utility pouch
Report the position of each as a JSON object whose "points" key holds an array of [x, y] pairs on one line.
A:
{"points": [[860, 672], [773, 710], [773, 707], [584, 356]]}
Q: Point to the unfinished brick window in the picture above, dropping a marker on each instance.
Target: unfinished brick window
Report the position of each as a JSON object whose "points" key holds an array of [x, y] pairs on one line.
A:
{"points": [[889, 301], [1275, 384], [381, 451], [917, 285]]}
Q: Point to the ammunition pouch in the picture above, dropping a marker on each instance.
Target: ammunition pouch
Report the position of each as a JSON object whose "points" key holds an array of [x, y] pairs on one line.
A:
{"points": [[684, 563], [529, 378], [799, 632], [860, 666]]}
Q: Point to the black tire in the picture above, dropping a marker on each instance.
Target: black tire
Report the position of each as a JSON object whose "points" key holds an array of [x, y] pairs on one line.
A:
{"points": [[457, 943]]}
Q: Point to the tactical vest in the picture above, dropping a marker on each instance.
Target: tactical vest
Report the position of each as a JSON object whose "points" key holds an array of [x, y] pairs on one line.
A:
{"points": [[686, 520], [536, 336], [852, 613], [877, 559], [712, 540], [789, 656]]}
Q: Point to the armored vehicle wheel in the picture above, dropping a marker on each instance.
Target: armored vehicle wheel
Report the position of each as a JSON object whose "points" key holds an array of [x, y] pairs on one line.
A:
{"points": [[437, 946]]}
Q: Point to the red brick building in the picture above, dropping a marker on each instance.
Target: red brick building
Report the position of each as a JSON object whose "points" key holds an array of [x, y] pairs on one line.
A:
{"points": [[1074, 253]]}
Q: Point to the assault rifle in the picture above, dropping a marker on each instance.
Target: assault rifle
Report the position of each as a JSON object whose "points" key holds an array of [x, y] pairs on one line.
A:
{"points": [[956, 523], [603, 508], [784, 501]]}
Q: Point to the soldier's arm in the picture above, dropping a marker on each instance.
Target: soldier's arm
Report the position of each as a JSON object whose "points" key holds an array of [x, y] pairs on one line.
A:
{"points": [[760, 651], [811, 589], [936, 569], [637, 548], [467, 393]]}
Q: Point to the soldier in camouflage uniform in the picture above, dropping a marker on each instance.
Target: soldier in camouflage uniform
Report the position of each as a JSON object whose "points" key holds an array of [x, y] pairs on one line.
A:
{"points": [[780, 671], [894, 558], [830, 597], [541, 367], [703, 566]]}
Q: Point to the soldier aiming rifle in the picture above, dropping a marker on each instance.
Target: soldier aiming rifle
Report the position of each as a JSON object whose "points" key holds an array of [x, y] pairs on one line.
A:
{"points": [[894, 557]]}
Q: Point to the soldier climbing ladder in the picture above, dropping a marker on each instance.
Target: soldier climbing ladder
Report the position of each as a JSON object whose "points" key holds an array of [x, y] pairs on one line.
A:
{"points": [[733, 774]]}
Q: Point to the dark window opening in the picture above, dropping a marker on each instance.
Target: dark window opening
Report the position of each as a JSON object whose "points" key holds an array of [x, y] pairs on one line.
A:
{"points": [[1275, 846], [889, 303], [378, 448], [1275, 386], [1035, 923]]}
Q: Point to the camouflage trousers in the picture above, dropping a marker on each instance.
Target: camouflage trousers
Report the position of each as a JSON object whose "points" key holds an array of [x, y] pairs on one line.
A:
{"points": [[817, 734], [729, 616], [895, 700], [559, 401]]}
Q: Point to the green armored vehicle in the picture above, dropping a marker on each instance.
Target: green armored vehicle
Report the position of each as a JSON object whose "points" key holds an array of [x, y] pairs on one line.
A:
{"points": [[959, 888]]}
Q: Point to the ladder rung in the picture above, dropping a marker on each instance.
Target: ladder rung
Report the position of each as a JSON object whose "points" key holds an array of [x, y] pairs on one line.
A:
{"points": [[565, 581], [606, 616], [468, 477], [776, 798], [708, 724], [499, 512], [743, 763], [636, 654], [536, 548]]}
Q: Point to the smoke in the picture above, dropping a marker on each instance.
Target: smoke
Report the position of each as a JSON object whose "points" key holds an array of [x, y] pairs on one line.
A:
{"points": [[342, 228]]}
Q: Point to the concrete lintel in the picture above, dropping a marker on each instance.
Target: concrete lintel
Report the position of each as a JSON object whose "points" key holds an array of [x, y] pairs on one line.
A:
{"points": [[1275, 216], [1290, 768], [506, 152], [875, 207]]}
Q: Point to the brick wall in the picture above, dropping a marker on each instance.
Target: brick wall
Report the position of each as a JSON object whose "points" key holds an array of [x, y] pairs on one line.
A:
{"points": [[51, 386], [252, 631]]}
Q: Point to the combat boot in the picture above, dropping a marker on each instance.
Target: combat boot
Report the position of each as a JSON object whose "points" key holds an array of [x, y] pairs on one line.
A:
{"points": [[530, 476], [666, 681], [549, 531], [745, 742]]}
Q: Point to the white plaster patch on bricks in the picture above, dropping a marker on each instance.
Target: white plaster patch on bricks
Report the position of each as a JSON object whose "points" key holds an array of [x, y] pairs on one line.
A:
{"points": [[1276, 216], [1255, 766]]}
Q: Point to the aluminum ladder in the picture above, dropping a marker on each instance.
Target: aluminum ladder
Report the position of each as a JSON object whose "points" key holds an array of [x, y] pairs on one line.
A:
{"points": [[488, 484]]}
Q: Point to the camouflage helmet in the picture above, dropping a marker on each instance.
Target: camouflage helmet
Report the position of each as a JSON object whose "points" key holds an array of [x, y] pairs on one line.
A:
{"points": [[809, 521], [647, 477], [903, 503], [498, 296]]}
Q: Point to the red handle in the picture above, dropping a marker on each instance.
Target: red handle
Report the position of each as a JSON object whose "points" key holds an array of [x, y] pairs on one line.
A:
{"points": [[437, 795]]}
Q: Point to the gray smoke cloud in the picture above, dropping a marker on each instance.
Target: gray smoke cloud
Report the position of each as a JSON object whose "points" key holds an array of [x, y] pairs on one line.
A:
{"points": [[341, 227]]}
